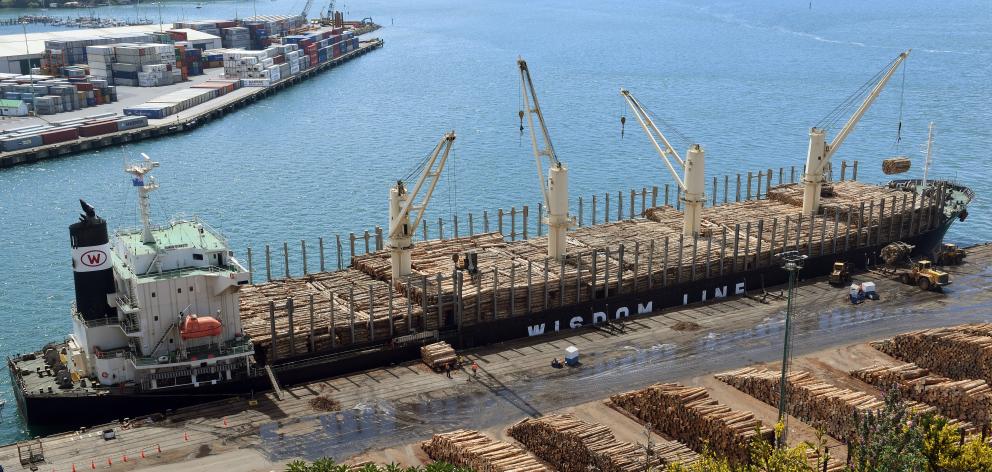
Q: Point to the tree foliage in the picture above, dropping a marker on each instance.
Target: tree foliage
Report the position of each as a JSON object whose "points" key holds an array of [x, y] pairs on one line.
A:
{"points": [[328, 465]]}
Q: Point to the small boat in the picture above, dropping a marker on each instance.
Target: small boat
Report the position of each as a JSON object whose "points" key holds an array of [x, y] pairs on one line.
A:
{"points": [[199, 5]]}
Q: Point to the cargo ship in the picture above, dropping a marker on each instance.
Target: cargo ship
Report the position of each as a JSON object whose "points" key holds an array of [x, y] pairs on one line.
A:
{"points": [[166, 316]]}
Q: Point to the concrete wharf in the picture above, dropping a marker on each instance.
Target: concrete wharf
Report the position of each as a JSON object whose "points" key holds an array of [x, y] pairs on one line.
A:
{"points": [[384, 409], [188, 120], [641, 250]]}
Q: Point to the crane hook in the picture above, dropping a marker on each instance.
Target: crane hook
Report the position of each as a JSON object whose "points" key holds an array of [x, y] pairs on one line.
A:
{"points": [[521, 115], [623, 123]]}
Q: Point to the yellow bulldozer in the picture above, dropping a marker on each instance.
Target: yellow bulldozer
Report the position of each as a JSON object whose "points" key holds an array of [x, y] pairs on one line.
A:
{"points": [[923, 275], [949, 254]]}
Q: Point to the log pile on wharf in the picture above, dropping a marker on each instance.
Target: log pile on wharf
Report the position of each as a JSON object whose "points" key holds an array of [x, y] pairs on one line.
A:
{"points": [[572, 445], [690, 416], [962, 352], [478, 452], [516, 278], [837, 411], [967, 400], [437, 355]]}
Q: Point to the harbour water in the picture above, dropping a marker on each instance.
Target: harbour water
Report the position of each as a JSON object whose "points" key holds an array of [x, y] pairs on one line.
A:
{"points": [[743, 80]]}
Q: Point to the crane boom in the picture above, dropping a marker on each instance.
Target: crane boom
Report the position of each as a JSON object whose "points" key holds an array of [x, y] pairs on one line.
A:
{"points": [[819, 152], [401, 204], [692, 182], [555, 189], [651, 129], [869, 100], [306, 8]]}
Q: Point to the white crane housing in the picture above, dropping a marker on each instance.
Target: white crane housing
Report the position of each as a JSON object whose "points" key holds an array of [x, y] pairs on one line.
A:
{"points": [[693, 182], [401, 204], [819, 153], [555, 191]]}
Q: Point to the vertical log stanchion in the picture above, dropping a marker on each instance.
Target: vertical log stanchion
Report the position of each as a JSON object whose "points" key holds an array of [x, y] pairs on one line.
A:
{"points": [[251, 270], [526, 214], [594, 210], [664, 268], [654, 196], [320, 247]]}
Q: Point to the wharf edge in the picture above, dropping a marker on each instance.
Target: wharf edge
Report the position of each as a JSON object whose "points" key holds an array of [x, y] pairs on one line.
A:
{"points": [[188, 123]]}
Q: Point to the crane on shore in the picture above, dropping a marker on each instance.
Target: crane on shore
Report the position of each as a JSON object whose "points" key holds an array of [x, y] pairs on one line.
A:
{"points": [[401, 205], [693, 182], [819, 154], [555, 188]]}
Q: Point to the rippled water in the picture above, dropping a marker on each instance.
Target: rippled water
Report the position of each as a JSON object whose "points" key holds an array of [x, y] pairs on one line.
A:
{"points": [[745, 81]]}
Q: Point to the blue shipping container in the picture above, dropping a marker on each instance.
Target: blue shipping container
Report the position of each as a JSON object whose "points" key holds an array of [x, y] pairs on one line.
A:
{"points": [[24, 142]]}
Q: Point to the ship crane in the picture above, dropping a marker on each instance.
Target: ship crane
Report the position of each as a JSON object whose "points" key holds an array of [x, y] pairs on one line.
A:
{"points": [[401, 203], [693, 182], [819, 154], [555, 188]]}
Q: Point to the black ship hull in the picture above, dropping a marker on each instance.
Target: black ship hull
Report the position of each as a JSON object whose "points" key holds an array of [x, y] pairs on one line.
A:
{"points": [[43, 411]]}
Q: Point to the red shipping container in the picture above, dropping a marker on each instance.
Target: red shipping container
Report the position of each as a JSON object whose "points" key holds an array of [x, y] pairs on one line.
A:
{"points": [[96, 129], [226, 24], [280, 59], [177, 35], [59, 136], [84, 86]]}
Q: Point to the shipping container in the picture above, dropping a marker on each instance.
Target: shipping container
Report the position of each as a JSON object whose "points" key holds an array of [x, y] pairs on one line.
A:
{"points": [[96, 129], [131, 122], [60, 135], [21, 142]]}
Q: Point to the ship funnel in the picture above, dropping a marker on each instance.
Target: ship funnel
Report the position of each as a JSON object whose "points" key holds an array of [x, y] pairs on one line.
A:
{"points": [[92, 269]]}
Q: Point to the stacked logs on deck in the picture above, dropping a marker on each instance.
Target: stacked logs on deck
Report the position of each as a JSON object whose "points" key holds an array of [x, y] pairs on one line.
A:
{"points": [[690, 416], [572, 445], [349, 290], [837, 411], [437, 355], [968, 400], [477, 452], [958, 352]]}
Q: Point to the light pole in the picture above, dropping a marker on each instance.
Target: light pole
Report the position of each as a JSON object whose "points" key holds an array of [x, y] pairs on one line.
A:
{"points": [[792, 262], [27, 51]]}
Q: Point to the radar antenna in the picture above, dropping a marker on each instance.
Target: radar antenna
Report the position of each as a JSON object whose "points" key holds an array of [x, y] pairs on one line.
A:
{"points": [[144, 188]]}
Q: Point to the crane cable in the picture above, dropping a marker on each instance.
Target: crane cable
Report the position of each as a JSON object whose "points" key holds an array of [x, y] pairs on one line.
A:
{"points": [[902, 94], [838, 112]]}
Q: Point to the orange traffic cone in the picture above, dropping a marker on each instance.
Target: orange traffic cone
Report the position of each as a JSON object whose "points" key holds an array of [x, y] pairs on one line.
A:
{"points": [[142, 453], [93, 464], [185, 436], [225, 421], [159, 447], [125, 457], [73, 467], [109, 462]]}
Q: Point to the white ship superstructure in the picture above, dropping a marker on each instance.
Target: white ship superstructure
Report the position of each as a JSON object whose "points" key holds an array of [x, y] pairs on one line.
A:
{"points": [[174, 318]]}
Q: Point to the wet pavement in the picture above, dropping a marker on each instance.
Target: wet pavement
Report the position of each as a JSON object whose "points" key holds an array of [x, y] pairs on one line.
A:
{"points": [[609, 365]]}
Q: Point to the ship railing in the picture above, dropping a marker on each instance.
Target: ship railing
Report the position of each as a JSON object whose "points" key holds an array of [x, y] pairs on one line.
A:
{"points": [[198, 353], [105, 321], [112, 353]]}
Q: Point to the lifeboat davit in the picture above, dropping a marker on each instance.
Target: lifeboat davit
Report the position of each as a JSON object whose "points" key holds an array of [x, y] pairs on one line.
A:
{"points": [[200, 327]]}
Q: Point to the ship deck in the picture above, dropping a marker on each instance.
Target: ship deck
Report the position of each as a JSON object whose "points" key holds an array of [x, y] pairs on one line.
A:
{"points": [[645, 249]]}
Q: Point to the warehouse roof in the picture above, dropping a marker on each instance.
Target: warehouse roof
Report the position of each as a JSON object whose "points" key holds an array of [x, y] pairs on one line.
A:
{"points": [[12, 45], [194, 35]]}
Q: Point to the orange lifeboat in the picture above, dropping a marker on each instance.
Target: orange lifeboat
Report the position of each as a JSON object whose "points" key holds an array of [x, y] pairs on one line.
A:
{"points": [[199, 327]]}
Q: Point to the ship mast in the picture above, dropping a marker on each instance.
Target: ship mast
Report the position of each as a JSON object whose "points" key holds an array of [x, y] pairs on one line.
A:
{"points": [[929, 158], [144, 188]]}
